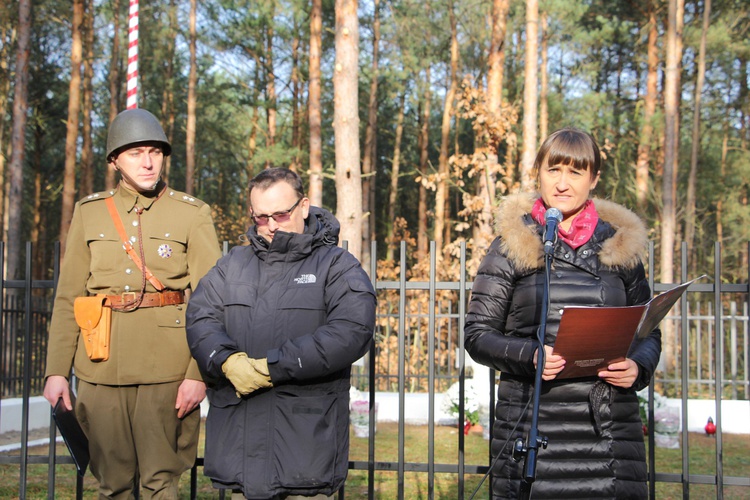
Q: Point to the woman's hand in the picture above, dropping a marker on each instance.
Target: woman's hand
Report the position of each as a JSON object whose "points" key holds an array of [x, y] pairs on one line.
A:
{"points": [[622, 374], [553, 363]]}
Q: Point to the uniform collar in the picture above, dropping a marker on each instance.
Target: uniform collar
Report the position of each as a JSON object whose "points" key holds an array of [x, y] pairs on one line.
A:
{"points": [[132, 199]]}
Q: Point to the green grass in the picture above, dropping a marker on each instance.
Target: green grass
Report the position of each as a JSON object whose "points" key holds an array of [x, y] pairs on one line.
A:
{"points": [[702, 461]]}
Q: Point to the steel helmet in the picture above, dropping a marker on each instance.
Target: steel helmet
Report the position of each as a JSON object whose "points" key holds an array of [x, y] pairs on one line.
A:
{"points": [[133, 126]]}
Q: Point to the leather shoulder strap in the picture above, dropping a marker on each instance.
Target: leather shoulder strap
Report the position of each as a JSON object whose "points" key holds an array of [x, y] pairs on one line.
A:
{"points": [[129, 246]]}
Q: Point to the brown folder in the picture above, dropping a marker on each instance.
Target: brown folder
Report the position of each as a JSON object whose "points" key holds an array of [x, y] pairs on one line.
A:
{"points": [[590, 338]]}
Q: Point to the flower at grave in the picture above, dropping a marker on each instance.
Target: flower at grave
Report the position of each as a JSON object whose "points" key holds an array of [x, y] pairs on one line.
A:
{"points": [[360, 413], [354, 395], [452, 400], [660, 402]]}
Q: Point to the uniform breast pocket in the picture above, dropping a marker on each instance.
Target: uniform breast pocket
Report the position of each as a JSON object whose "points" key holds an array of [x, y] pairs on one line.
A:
{"points": [[104, 249], [303, 309], [167, 252]]}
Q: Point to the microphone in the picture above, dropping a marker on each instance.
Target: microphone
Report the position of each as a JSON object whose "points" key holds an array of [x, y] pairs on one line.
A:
{"points": [[553, 217]]}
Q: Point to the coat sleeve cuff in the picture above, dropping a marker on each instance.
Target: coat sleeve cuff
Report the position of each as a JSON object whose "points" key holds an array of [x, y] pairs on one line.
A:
{"points": [[274, 370], [62, 369], [273, 356]]}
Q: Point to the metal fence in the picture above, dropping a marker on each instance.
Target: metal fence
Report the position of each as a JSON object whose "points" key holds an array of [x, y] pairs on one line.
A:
{"points": [[419, 348]]}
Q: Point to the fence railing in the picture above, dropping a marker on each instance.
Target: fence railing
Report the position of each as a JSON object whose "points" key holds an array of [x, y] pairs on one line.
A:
{"points": [[419, 348]]}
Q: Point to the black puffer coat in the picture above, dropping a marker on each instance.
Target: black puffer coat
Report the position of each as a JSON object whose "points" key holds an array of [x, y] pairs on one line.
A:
{"points": [[308, 307], [581, 461]]}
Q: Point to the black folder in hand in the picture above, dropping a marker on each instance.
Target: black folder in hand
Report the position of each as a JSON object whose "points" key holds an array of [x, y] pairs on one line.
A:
{"points": [[75, 439]]}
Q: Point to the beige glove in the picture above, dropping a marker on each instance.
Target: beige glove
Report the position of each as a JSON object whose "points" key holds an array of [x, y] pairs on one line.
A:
{"points": [[247, 375]]}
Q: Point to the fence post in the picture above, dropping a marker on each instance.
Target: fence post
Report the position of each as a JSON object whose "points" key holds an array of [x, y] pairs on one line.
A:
{"points": [[401, 370], [651, 426], [685, 375], [26, 374], [462, 364], [371, 384], [718, 376]]}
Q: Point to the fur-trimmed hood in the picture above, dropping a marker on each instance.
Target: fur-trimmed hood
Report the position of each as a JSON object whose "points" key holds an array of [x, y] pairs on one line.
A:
{"points": [[523, 246]]}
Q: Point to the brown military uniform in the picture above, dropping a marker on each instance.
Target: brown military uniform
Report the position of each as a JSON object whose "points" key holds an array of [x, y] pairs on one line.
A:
{"points": [[148, 345]]}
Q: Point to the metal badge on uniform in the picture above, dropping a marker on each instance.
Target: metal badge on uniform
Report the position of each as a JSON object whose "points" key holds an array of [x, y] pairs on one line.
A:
{"points": [[165, 251]]}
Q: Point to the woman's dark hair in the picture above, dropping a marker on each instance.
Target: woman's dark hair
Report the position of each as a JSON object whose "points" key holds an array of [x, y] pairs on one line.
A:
{"points": [[569, 146], [270, 176]]}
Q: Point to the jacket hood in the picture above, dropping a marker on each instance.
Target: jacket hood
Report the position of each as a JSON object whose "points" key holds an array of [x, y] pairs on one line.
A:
{"points": [[321, 229], [523, 246]]}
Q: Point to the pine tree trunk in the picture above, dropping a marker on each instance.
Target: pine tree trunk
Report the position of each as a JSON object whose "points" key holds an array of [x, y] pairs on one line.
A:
{"points": [[170, 119], [296, 134], [723, 171], [315, 188], [368, 158], [87, 148], [530, 96], [649, 109], [252, 146], [4, 91], [441, 195], [167, 100], [270, 86], [191, 105], [36, 167], [487, 179], [671, 161], [496, 59], [114, 82], [18, 140], [71, 138], [346, 126], [395, 170], [424, 142], [696, 141]]}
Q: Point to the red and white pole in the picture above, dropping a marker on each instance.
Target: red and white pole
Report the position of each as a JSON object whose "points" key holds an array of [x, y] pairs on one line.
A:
{"points": [[132, 75]]}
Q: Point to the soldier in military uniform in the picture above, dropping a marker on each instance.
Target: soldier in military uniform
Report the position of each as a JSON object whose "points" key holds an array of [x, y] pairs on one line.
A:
{"points": [[139, 408]]}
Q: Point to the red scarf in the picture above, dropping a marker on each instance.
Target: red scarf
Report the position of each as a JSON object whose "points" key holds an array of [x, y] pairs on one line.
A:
{"points": [[581, 229]]}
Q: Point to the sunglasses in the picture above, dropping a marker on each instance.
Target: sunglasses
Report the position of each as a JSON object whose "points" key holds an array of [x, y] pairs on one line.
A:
{"points": [[279, 217]]}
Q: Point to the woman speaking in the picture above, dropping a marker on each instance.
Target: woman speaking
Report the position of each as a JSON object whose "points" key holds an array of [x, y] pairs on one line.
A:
{"points": [[595, 438]]}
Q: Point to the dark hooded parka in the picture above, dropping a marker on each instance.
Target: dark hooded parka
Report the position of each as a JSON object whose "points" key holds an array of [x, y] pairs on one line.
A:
{"points": [[307, 306]]}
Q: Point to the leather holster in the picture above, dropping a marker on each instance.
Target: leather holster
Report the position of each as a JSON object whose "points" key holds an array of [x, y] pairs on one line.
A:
{"points": [[95, 321]]}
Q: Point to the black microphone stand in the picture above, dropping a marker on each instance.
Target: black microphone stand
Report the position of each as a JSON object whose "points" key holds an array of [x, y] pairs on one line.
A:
{"points": [[530, 450]]}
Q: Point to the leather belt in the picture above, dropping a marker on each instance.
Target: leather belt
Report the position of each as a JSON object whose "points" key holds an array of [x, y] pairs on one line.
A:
{"points": [[151, 299]]}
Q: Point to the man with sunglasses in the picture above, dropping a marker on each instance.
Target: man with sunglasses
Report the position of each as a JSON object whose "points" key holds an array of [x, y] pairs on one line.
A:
{"points": [[275, 327]]}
